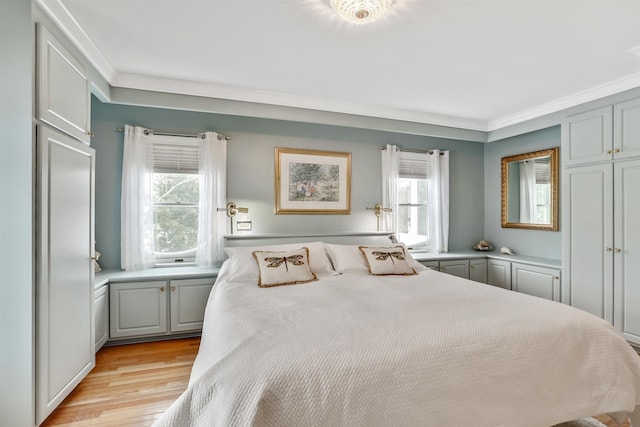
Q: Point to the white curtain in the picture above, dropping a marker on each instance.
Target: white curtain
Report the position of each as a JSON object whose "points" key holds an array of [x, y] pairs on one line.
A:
{"points": [[438, 200], [136, 235], [390, 176], [528, 192], [212, 160]]}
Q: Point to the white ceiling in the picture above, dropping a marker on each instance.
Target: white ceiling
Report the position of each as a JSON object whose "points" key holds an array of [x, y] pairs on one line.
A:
{"points": [[475, 64]]}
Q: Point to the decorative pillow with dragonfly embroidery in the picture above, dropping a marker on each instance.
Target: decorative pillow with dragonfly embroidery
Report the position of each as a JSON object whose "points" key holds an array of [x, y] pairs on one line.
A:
{"points": [[387, 260], [284, 267]]}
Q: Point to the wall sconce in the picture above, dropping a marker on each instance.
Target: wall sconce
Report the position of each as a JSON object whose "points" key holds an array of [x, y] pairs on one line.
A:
{"points": [[378, 210], [232, 210]]}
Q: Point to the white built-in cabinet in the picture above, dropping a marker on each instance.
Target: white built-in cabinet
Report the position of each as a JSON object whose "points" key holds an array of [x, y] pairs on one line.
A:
{"points": [[162, 307], [456, 267], [65, 294], [478, 270], [499, 273], [101, 316], [538, 281], [601, 212], [65, 170], [63, 88]]}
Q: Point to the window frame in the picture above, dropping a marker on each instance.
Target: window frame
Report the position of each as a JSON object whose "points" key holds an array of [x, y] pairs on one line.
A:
{"points": [[174, 165]]}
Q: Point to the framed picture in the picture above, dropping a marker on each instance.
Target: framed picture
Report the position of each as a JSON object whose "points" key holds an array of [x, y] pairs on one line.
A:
{"points": [[312, 182]]}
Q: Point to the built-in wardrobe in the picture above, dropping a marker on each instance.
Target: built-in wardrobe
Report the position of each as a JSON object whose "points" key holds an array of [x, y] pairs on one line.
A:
{"points": [[601, 214], [65, 226]]}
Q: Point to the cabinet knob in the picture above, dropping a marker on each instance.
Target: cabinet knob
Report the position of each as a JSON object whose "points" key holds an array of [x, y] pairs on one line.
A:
{"points": [[91, 134], [162, 289], [608, 249], [608, 152], [173, 288], [617, 250], [617, 150], [556, 277]]}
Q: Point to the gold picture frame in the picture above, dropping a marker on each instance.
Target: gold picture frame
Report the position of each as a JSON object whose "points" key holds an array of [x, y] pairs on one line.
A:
{"points": [[509, 184], [312, 181]]}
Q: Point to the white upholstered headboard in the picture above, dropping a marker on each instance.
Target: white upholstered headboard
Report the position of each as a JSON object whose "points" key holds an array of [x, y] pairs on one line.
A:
{"points": [[356, 238]]}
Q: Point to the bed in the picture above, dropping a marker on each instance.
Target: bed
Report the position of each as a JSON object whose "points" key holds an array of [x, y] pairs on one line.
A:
{"points": [[413, 348]]}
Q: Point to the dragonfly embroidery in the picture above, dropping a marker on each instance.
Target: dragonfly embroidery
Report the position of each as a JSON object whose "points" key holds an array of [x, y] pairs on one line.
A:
{"points": [[383, 256], [277, 261]]}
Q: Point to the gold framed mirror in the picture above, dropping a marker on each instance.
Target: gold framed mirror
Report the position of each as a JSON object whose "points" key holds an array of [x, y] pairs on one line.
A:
{"points": [[530, 190]]}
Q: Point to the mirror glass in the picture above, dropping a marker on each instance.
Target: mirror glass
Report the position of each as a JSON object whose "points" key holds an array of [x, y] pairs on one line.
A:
{"points": [[530, 190]]}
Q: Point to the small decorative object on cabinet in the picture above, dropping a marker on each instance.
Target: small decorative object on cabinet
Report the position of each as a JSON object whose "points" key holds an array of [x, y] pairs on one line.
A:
{"points": [[483, 245], [506, 250]]}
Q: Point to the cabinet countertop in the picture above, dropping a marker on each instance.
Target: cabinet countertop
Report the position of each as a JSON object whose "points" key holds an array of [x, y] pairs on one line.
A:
{"points": [[161, 273], [542, 262]]}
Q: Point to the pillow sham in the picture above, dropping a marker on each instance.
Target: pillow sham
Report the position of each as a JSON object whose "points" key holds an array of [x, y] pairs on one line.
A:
{"points": [[279, 268], [349, 258], [242, 266], [346, 258], [387, 260]]}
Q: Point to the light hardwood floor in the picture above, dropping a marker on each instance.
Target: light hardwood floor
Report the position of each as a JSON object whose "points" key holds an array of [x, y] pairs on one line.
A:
{"points": [[133, 384]]}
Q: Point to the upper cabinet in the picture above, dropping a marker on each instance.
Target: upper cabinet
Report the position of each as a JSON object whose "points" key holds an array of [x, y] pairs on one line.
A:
{"points": [[588, 137], [63, 88], [626, 126], [609, 133]]}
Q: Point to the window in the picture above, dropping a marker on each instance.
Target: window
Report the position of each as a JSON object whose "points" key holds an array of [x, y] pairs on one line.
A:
{"points": [[412, 199], [176, 187], [416, 187], [172, 189]]}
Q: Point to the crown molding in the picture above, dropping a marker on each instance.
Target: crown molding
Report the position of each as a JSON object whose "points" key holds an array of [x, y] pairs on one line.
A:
{"points": [[212, 90], [597, 92], [63, 19]]}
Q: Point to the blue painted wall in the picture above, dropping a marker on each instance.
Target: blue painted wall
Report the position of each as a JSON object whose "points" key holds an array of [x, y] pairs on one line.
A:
{"points": [[545, 244], [250, 180]]}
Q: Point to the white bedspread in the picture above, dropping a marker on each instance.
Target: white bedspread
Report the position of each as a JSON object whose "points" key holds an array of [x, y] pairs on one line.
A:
{"points": [[425, 350]]}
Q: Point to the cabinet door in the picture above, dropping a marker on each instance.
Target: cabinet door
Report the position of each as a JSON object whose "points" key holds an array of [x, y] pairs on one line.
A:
{"points": [[434, 265], [588, 137], [499, 273], [188, 300], [458, 267], [65, 273], [626, 129], [101, 310], [64, 95], [587, 205], [627, 249], [478, 270], [138, 309], [537, 281]]}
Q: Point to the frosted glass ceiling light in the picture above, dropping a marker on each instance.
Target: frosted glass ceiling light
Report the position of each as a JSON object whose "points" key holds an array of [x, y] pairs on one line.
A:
{"points": [[360, 11]]}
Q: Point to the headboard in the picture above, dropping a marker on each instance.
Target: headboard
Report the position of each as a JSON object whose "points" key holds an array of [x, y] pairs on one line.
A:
{"points": [[354, 238]]}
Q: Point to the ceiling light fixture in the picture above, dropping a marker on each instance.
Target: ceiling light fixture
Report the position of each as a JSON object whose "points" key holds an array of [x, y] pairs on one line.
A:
{"points": [[360, 11]]}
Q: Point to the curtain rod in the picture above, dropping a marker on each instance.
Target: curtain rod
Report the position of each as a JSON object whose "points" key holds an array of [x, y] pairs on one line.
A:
{"points": [[415, 151], [186, 135]]}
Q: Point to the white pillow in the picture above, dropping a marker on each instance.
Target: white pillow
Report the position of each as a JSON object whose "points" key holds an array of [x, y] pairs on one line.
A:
{"points": [[387, 260], [349, 258], [283, 267], [243, 267]]}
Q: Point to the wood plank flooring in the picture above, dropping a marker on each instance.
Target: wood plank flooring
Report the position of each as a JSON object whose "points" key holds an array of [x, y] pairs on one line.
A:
{"points": [[132, 385]]}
